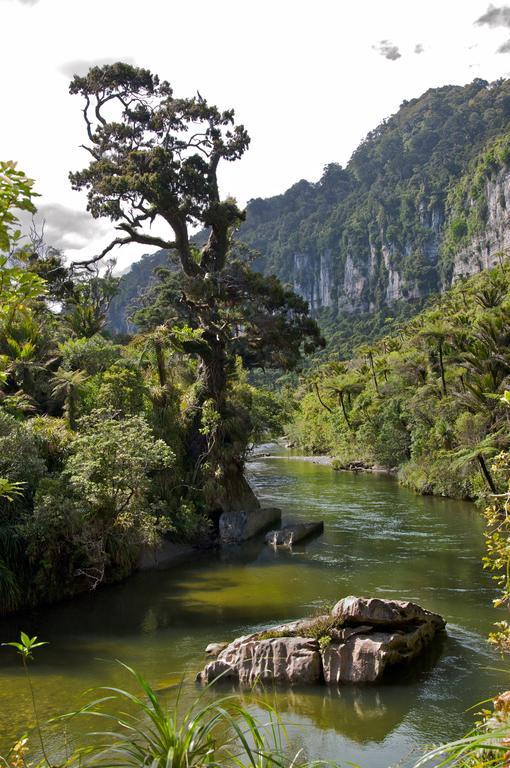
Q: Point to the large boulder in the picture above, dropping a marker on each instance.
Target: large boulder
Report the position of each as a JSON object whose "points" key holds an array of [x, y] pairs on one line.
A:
{"points": [[357, 643], [239, 525], [249, 660], [379, 612], [365, 657]]}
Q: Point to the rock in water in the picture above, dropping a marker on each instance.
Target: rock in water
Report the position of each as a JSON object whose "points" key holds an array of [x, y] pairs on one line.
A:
{"points": [[214, 649], [364, 658], [236, 526], [292, 534], [358, 642], [248, 660], [389, 613]]}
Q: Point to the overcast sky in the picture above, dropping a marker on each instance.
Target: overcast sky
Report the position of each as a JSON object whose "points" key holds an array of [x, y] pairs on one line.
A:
{"points": [[308, 79]]}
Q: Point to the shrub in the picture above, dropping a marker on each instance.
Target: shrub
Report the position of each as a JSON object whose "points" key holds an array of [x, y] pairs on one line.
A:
{"points": [[91, 355]]}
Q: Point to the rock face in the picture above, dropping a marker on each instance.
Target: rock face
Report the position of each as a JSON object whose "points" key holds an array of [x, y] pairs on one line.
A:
{"points": [[292, 534], [249, 660], [377, 612], [358, 642], [238, 526], [364, 658], [214, 649], [485, 249]]}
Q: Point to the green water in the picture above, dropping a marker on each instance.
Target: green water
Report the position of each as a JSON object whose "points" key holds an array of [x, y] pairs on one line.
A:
{"points": [[379, 539]]}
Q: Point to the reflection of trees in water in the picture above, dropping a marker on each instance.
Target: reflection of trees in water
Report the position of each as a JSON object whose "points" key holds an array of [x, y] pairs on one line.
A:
{"points": [[362, 713]]}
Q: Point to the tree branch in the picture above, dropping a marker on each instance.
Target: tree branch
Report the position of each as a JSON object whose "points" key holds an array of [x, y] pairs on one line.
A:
{"points": [[88, 263], [140, 237]]}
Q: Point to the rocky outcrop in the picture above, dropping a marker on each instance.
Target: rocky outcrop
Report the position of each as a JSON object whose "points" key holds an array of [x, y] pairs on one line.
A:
{"points": [[358, 642], [292, 534], [250, 660], [379, 612], [236, 526], [364, 657], [214, 649], [493, 241]]}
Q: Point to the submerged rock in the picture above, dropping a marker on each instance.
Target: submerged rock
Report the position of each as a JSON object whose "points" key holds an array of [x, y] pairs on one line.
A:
{"points": [[292, 534], [358, 642]]}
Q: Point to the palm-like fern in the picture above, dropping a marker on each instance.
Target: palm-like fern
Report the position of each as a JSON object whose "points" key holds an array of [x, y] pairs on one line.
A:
{"points": [[68, 385]]}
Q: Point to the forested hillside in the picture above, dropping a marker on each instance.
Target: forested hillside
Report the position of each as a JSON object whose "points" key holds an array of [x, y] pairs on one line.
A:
{"points": [[422, 200], [427, 400]]}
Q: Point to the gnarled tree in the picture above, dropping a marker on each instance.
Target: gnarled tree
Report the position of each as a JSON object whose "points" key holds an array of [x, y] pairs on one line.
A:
{"points": [[153, 168]]}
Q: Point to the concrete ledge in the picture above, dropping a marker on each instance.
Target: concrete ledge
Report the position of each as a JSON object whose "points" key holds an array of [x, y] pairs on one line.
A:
{"points": [[292, 534], [239, 526]]}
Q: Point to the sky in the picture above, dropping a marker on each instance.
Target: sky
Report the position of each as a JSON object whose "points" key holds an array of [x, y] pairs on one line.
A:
{"points": [[308, 79]]}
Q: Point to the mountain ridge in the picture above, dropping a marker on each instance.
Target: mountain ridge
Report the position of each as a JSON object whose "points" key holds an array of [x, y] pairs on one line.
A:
{"points": [[421, 202]]}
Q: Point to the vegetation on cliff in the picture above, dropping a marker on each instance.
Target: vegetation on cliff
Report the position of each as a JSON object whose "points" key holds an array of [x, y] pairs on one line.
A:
{"points": [[425, 399]]}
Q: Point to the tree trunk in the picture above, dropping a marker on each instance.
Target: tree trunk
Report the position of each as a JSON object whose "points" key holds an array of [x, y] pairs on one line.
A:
{"points": [[341, 396], [211, 444], [160, 361], [441, 368], [71, 408], [372, 367], [321, 401], [485, 472]]}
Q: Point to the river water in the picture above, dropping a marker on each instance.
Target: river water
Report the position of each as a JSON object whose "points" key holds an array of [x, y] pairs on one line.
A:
{"points": [[379, 539]]}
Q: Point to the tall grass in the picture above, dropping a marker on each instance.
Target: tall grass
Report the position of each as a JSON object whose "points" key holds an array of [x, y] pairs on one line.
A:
{"points": [[480, 749], [221, 733]]}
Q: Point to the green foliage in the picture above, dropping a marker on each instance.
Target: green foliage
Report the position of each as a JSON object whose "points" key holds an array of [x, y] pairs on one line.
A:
{"points": [[110, 466], [210, 305], [218, 733], [26, 646], [121, 390], [15, 195], [20, 457], [426, 399], [9, 490], [140, 730], [87, 308], [92, 355]]}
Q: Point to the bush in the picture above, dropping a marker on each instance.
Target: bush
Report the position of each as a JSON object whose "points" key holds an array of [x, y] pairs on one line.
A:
{"points": [[91, 355], [121, 390], [20, 457]]}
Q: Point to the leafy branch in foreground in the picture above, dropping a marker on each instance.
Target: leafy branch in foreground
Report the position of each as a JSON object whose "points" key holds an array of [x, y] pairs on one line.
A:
{"points": [[9, 490]]}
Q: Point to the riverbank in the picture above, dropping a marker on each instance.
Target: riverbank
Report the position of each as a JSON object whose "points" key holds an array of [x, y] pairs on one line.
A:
{"points": [[334, 463]]}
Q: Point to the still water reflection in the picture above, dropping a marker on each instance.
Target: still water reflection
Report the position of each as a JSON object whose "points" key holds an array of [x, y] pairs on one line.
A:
{"points": [[379, 539]]}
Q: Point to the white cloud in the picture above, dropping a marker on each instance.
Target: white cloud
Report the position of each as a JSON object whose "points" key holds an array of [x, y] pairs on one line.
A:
{"points": [[495, 17], [387, 49], [66, 228]]}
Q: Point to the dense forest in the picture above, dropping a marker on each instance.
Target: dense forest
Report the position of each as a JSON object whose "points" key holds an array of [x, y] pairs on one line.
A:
{"points": [[426, 399], [107, 447]]}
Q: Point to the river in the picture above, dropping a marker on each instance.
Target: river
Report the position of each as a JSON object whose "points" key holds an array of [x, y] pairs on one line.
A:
{"points": [[379, 539]]}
